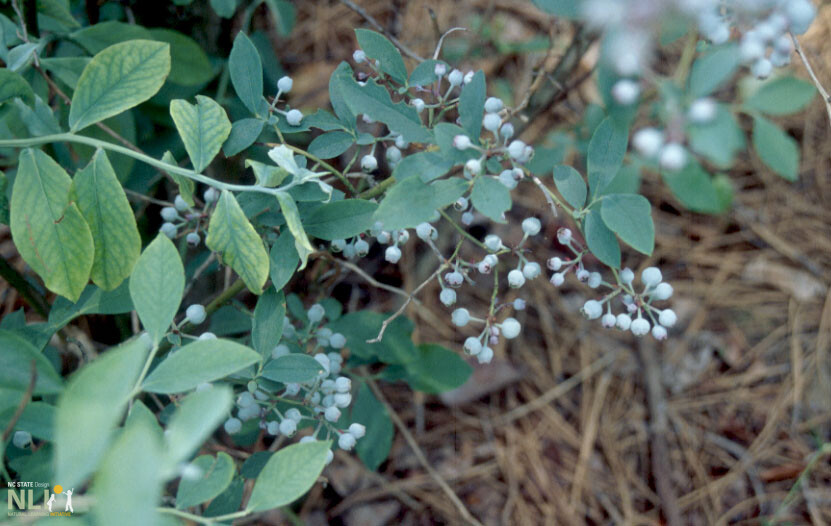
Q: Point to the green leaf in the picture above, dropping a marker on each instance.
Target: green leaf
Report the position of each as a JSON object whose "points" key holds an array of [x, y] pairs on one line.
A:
{"points": [[203, 128], [228, 501], [284, 14], [376, 46], [374, 448], [694, 187], [331, 144], [37, 418], [374, 100], [90, 408], [267, 175], [292, 368], [718, 140], [778, 150], [426, 165], [98, 37], [600, 240], [16, 357], [224, 8], [267, 326], [39, 120], [13, 85], [50, 232], [216, 475], [292, 215], [92, 301], [411, 201], [491, 198], [712, 69], [136, 452], [246, 70], [21, 57], [283, 260], [196, 418], [118, 78], [189, 65], [4, 200], [58, 11], [199, 362], [186, 185], [472, 105], [571, 185], [230, 234], [243, 134], [605, 154], [104, 205], [630, 217], [66, 69], [289, 474], [156, 286], [564, 8], [425, 73], [396, 345], [782, 96], [340, 77], [436, 369], [340, 219]]}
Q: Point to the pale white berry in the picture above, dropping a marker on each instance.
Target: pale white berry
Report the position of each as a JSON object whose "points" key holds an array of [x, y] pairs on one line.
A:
{"points": [[516, 279], [531, 270], [337, 341], [608, 320], [506, 177], [332, 413], [595, 279], [424, 230], [516, 149], [510, 328], [392, 254], [288, 427], [519, 304], [493, 104], [232, 426], [294, 414], [346, 441], [323, 360], [485, 356], [294, 117], [659, 333], [667, 318], [461, 142], [648, 141], [801, 14], [180, 204], [507, 130], [456, 77], [583, 275], [469, 77], [393, 155], [195, 314], [702, 110], [193, 239], [626, 91], [531, 226], [359, 56], [418, 104], [626, 275], [491, 122], [440, 69], [285, 84], [272, 428], [369, 163], [751, 47], [473, 345], [474, 166], [762, 68], [558, 279], [467, 218], [22, 439], [673, 157], [207, 336], [663, 291], [564, 235], [342, 400], [210, 195], [357, 430], [640, 327], [316, 313], [493, 242], [460, 317], [168, 229], [623, 321], [555, 263], [447, 297], [592, 309], [169, 213], [651, 276]]}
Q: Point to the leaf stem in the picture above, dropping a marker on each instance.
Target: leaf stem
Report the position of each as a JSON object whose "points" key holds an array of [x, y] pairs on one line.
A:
{"points": [[204, 520], [462, 230], [342, 178]]}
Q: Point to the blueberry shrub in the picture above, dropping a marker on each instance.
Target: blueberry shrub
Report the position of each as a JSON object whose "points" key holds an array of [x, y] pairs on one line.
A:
{"points": [[255, 191]]}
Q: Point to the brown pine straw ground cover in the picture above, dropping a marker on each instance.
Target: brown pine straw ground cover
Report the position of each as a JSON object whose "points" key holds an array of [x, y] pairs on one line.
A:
{"points": [[722, 424]]}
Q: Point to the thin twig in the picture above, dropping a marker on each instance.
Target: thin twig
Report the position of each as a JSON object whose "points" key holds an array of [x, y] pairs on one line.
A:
{"points": [[822, 91], [374, 23], [372, 281], [403, 306], [27, 396], [441, 40], [422, 459]]}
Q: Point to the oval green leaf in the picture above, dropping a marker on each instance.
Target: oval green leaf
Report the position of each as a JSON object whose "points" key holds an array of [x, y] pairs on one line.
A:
{"points": [[292, 369], [156, 286], [600, 240], [630, 217], [571, 185], [778, 150], [203, 128], [340, 220], [216, 475], [287, 475]]}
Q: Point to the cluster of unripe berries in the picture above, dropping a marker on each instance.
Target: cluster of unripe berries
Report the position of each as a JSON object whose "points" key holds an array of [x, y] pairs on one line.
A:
{"points": [[293, 116], [324, 397], [180, 215]]}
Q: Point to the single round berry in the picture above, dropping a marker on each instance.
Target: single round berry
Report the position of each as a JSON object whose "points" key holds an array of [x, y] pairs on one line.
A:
{"points": [[467, 218], [357, 430], [485, 356], [531, 226], [294, 117], [469, 77], [510, 328], [169, 229], [519, 304], [762, 68], [316, 313], [401, 143], [626, 275], [403, 236], [193, 239], [294, 414], [418, 104], [343, 384], [461, 142], [361, 248], [491, 122], [323, 360], [210, 195], [659, 333], [440, 69], [332, 413], [626, 91], [640, 327], [531, 270], [555, 263], [460, 317], [507, 130], [245, 399], [288, 427], [456, 77], [232, 426], [558, 279], [169, 213], [346, 441], [180, 204], [292, 389], [447, 297], [359, 56], [207, 336], [474, 166], [623, 321], [651, 276], [751, 47], [673, 157], [493, 104], [801, 14], [461, 204], [564, 235], [516, 149], [506, 177], [583, 275], [22, 439], [473, 345], [608, 320], [702, 110], [493, 242], [342, 400], [663, 291], [393, 155], [648, 141], [516, 279], [595, 279], [592, 309], [285, 84], [392, 254], [369, 163], [195, 314], [272, 428], [424, 231], [280, 350], [337, 341], [667, 318]]}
